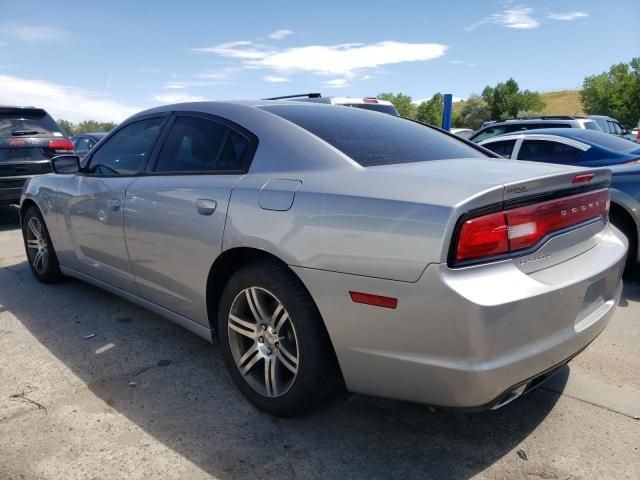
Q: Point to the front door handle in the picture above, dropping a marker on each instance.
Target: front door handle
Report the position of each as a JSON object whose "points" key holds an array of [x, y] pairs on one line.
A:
{"points": [[206, 206], [114, 204]]}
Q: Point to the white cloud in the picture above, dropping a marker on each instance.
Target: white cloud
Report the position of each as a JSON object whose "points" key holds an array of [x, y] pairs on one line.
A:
{"points": [[519, 17], [60, 101], [336, 83], [567, 16], [462, 62], [344, 59], [178, 98], [34, 33], [280, 34], [273, 79], [174, 86]]}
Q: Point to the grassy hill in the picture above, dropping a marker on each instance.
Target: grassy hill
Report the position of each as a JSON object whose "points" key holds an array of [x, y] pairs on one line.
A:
{"points": [[565, 102]]}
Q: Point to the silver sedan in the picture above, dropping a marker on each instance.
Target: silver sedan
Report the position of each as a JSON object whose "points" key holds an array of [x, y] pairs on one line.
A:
{"points": [[326, 247]]}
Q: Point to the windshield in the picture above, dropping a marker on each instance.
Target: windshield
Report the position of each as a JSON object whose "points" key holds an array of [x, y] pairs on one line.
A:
{"points": [[375, 139]]}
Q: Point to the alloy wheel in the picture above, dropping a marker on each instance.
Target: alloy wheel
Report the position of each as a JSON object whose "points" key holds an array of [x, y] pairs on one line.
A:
{"points": [[37, 245], [263, 342]]}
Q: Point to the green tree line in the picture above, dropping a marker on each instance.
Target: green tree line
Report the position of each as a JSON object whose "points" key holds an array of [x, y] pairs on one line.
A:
{"points": [[86, 126], [615, 93]]}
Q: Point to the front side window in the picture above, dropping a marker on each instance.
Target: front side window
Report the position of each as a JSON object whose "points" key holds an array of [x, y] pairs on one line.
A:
{"points": [[371, 139], [546, 151], [127, 151], [197, 144], [503, 149]]}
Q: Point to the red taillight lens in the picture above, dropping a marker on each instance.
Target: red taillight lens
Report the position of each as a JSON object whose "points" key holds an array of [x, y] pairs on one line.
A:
{"points": [[523, 227], [370, 100], [63, 144]]}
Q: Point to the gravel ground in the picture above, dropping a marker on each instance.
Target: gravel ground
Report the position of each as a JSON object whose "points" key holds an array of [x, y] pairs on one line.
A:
{"points": [[144, 399]]}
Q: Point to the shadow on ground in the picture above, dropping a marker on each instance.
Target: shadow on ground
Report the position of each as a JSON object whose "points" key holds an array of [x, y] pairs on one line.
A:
{"points": [[190, 404]]}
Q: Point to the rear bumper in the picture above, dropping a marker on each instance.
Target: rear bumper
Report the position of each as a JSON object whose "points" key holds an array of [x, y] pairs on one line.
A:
{"points": [[465, 338]]}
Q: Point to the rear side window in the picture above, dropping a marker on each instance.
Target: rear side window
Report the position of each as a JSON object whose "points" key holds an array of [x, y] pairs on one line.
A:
{"points": [[545, 151], [27, 122], [503, 149], [199, 145], [372, 139], [591, 126], [127, 151]]}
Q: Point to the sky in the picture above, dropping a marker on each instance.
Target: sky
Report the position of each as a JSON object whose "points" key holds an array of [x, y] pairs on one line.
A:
{"points": [[108, 60]]}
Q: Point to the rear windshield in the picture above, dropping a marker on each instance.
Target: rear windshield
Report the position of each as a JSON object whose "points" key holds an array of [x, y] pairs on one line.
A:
{"points": [[24, 122], [390, 109], [372, 139]]}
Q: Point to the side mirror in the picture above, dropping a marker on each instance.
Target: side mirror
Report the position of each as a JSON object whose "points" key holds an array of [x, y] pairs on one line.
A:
{"points": [[65, 164]]}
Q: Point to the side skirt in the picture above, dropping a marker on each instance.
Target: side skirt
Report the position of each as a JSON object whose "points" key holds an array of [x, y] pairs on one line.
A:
{"points": [[190, 325]]}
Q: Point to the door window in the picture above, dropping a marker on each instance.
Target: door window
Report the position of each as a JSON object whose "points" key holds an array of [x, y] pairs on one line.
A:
{"points": [[197, 144], [127, 151], [503, 149], [546, 151], [82, 144]]}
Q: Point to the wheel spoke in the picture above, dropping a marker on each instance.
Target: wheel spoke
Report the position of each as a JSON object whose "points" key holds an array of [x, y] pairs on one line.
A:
{"points": [[287, 359], [34, 226], [250, 361], [33, 244], [278, 323], [37, 260], [243, 327], [270, 378], [255, 304]]}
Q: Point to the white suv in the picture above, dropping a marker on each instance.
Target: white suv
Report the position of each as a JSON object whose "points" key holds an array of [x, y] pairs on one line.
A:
{"points": [[366, 103]]}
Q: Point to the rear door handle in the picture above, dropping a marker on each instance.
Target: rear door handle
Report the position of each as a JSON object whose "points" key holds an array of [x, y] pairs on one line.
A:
{"points": [[206, 206], [114, 204]]}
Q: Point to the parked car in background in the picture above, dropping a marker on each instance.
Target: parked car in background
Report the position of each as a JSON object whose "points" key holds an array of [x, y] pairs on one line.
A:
{"points": [[365, 103], [612, 126], [84, 142], [515, 125], [462, 132], [569, 146], [29, 138], [331, 246], [625, 208], [586, 148]]}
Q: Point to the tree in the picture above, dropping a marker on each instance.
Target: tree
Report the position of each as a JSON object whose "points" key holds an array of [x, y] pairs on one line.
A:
{"points": [[431, 111], [403, 103], [67, 127], [615, 93], [85, 126], [506, 100], [475, 112]]}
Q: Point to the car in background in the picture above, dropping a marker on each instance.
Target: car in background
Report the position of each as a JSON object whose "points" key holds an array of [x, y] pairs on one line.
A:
{"points": [[517, 124], [586, 148], [84, 142], [29, 138], [327, 246], [569, 146], [625, 208], [365, 103], [612, 126], [462, 132]]}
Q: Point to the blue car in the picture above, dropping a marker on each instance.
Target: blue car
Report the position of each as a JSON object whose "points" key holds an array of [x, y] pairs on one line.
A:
{"points": [[569, 146]]}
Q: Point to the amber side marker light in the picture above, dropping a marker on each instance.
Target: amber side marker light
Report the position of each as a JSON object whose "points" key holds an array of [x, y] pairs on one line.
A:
{"points": [[375, 300]]}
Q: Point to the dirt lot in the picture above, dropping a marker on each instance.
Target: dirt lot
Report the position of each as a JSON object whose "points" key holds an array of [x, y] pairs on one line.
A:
{"points": [[144, 398]]}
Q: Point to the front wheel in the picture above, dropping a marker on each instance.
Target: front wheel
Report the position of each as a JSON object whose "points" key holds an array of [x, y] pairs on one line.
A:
{"points": [[274, 342], [39, 249]]}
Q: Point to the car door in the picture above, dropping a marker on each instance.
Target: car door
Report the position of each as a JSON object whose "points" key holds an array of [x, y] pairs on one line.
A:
{"points": [[93, 204], [175, 215], [549, 151]]}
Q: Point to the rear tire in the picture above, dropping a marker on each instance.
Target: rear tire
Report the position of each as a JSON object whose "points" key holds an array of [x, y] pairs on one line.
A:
{"points": [[274, 341], [39, 249]]}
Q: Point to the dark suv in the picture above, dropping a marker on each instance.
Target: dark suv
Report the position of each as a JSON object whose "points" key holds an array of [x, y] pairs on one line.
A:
{"points": [[516, 124], [29, 138]]}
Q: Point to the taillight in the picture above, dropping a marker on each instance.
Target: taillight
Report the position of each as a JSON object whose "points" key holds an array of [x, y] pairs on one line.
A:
{"points": [[63, 144], [521, 228]]}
